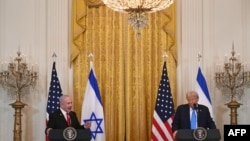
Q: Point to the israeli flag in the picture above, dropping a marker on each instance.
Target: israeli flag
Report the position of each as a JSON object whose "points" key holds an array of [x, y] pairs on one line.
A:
{"points": [[92, 108], [201, 88]]}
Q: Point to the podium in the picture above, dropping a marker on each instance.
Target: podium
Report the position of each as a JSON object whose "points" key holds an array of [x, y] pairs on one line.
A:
{"points": [[187, 135], [82, 135]]}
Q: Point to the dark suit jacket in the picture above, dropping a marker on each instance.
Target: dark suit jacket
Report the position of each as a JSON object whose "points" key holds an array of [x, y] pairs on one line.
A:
{"points": [[58, 121], [182, 118]]}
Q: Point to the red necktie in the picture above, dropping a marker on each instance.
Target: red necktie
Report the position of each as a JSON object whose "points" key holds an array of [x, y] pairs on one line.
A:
{"points": [[68, 119]]}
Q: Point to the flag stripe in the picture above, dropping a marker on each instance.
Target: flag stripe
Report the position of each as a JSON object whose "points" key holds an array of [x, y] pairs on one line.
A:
{"points": [[160, 129], [93, 83], [202, 82]]}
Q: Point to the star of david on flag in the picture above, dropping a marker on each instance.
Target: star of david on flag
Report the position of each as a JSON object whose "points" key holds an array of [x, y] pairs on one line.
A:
{"points": [[92, 109]]}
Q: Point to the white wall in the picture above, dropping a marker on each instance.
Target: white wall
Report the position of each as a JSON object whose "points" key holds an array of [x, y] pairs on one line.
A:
{"points": [[40, 28]]}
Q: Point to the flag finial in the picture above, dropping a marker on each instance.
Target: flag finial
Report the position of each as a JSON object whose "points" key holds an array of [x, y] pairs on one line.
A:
{"points": [[165, 56], [199, 56], [91, 55], [54, 56]]}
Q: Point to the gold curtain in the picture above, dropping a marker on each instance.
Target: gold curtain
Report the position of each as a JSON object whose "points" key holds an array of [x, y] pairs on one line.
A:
{"points": [[128, 69]]}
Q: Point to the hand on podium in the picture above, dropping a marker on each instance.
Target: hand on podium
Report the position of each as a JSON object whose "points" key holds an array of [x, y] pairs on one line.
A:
{"points": [[47, 131], [174, 134]]}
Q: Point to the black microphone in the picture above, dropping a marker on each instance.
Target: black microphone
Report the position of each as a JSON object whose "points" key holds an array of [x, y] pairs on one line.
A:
{"points": [[196, 107]]}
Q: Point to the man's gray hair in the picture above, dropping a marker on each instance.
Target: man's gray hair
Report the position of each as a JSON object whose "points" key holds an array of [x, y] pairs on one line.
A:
{"points": [[61, 98]]}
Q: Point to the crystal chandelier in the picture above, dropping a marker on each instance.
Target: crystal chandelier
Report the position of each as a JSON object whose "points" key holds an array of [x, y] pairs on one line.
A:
{"points": [[138, 9]]}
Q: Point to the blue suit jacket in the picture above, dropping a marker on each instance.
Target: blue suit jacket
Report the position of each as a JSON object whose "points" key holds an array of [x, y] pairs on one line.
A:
{"points": [[182, 118]]}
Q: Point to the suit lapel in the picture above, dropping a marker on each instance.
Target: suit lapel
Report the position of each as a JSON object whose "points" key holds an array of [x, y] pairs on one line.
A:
{"points": [[62, 118]]}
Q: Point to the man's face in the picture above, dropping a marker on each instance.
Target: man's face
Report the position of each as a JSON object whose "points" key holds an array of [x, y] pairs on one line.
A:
{"points": [[67, 104], [192, 99]]}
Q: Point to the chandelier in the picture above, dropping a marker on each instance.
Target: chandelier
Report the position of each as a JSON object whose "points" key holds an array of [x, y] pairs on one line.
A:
{"points": [[138, 9]]}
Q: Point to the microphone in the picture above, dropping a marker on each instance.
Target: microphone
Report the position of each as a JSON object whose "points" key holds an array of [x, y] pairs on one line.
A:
{"points": [[196, 106]]}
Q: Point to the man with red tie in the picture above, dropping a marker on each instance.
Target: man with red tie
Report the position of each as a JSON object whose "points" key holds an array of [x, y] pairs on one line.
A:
{"points": [[64, 117]]}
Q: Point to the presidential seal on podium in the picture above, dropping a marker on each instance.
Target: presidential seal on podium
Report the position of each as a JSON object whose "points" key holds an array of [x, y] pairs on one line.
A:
{"points": [[200, 134], [69, 134]]}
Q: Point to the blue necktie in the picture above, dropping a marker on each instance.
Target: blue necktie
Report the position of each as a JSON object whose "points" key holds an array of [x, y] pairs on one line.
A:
{"points": [[193, 120]]}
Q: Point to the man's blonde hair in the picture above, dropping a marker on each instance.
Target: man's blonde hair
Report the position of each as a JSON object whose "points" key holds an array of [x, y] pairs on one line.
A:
{"points": [[192, 93]]}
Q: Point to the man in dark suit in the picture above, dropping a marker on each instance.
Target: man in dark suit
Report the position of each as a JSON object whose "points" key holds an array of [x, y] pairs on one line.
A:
{"points": [[59, 120], [182, 119]]}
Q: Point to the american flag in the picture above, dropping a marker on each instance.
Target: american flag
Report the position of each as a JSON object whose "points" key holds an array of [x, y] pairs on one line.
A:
{"points": [[55, 92], [164, 111]]}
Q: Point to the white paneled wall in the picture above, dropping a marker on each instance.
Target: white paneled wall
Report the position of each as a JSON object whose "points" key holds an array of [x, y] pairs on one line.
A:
{"points": [[42, 27], [39, 28]]}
